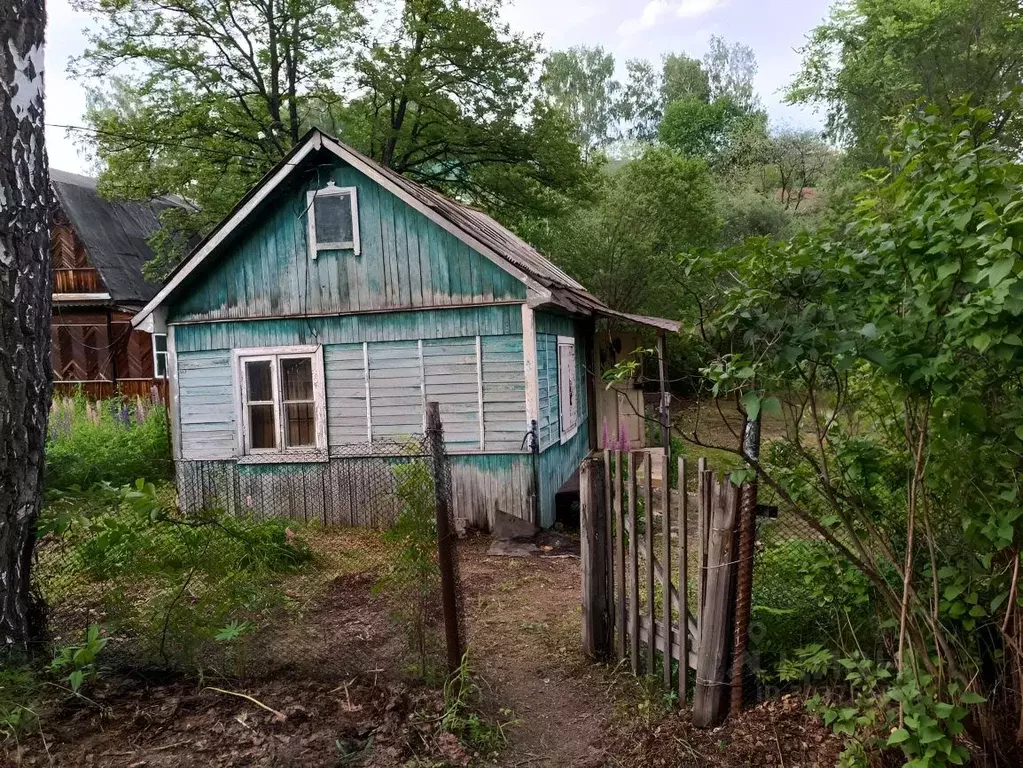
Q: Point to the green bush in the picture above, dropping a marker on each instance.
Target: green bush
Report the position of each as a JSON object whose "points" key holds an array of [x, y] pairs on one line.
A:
{"points": [[803, 594], [170, 586], [114, 441]]}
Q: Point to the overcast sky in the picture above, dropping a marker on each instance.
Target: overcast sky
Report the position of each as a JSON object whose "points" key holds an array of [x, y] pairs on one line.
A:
{"points": [[627, 28]]}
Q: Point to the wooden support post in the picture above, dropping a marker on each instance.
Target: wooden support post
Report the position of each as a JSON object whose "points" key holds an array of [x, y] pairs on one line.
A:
{"points": [[712, 678], [633, 568], [683, 582], [648, 547], [594, 563], [666, 572], [662, 370], [619, 520], [609, 558], [445, 538]]}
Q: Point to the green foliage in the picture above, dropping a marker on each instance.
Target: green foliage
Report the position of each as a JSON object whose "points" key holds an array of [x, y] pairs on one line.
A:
{"points": [[461, 716], [412, 580], [77, 663], [622, 247], [180, 585], [871, 59], [803, 593], [19, 693], [116, 441], [580, 82], [893, 343]]}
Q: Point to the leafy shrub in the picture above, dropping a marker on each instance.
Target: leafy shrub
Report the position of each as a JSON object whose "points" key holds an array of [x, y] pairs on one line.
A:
{"points": [[413, 579], [168, 583], [114, 441], [803, 594]]}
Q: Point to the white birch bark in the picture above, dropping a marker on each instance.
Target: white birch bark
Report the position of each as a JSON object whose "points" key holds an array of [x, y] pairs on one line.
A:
{"points": [[25, 287]]}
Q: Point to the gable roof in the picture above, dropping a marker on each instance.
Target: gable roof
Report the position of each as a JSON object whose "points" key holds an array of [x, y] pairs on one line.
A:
{"points": [[114, 233], [548, 284]]}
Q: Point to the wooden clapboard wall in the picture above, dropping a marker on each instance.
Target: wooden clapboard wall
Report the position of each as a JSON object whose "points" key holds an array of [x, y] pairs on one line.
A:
{"points": [[376, 392], [405, 261]]}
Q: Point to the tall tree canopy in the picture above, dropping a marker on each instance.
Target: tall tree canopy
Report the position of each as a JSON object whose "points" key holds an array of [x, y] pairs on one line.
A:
{"points": [[210, 95], [872, 58], [580, 82]]}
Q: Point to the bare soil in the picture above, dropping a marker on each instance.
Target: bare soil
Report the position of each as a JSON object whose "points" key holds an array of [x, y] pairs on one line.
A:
{"points": [[523, 616], [525, 630]]}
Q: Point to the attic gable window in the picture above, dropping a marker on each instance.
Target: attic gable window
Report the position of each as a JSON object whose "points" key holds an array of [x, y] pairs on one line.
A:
{"points": [[333, 219]]}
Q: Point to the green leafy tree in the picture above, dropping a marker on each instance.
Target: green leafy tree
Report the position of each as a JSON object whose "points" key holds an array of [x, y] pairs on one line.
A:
{"points": [[683, 77], [220, 91], [730, 71], [641, 104], [649, 210], [580, 82], [890, 347], [872, 58]]}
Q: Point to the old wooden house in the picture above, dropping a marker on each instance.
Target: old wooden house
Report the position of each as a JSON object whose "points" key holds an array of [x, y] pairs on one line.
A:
{"points": [[98, 248], [308, 331]]}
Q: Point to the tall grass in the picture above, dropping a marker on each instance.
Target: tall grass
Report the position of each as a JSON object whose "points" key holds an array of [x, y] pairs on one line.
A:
{"points": [[114, 441]]}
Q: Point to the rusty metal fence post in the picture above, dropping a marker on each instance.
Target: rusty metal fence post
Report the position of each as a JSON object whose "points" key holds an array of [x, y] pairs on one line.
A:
{"points": [[746, 532], [445, 538]]}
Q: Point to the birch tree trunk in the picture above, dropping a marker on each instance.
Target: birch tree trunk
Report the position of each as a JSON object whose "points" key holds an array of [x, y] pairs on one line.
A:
{"points": [[25, 285]]}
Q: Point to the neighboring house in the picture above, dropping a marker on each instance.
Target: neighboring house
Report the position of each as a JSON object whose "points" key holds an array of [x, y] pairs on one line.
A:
{"points": [[310, 328], [98, 248]]}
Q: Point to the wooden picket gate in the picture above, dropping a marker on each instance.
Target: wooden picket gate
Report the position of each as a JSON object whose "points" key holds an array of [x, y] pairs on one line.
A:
{"points": [[659, 570]]}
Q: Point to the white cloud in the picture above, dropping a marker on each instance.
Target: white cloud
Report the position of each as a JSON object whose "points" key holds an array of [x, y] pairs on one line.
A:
{"points": [[656, 11]]}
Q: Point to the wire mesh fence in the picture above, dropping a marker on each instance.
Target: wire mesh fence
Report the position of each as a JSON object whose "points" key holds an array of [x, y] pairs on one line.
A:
{"points": [[793, 571], [324, 566]]}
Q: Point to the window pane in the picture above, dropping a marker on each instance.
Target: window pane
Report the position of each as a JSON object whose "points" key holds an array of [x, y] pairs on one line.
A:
{"points": [[160, 342], [297, 377], [259, 378], [161, 365], [262, 429], [333, 215], [299, 419]]}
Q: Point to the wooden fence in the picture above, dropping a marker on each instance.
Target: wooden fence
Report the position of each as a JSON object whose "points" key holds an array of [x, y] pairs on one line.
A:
{"points": [[659, 573]]}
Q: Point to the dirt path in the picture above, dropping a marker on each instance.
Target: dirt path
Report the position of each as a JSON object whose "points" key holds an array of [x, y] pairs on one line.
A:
{"points": [[524, 632]]}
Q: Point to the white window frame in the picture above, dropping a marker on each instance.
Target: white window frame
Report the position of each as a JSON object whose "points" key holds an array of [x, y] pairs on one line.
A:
{"points": [[328, 191], [275, 355], [157, 354], [568, 430]]}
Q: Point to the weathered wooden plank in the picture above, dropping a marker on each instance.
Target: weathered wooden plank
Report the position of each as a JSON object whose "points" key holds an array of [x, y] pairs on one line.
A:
{"points": [[710, 705], [619, 554], [648, 547], [683, 579], [633, 567], [666, 560]]}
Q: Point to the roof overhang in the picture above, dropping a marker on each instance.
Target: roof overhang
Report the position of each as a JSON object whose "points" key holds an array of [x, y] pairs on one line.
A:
{"points": [[581, 303]]}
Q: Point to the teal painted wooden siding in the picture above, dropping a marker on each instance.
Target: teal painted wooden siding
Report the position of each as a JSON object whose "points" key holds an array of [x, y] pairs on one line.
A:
{"points": [[351, 491], [449, 369], [206, 402], [557, 464], [344, 382], [558, 461], [451, 380], [405, 261], [504, 393], [347, 329], [395, 389]]}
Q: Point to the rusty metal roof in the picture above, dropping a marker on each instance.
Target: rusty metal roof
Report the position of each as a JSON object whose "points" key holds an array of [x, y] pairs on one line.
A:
{"points": [[470, 224]]}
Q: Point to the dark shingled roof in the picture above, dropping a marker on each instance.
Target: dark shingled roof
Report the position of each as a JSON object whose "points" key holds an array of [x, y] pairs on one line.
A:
{"points": [[114, 234]]}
